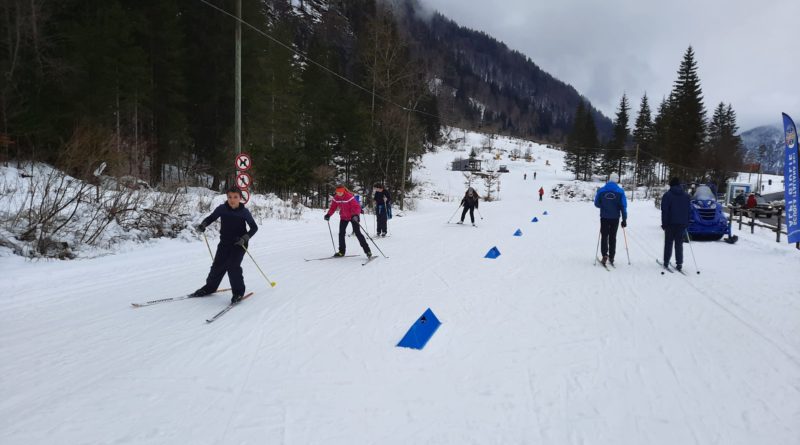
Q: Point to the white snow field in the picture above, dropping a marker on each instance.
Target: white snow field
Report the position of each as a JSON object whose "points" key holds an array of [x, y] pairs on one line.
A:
{"points": [[538, 346]]}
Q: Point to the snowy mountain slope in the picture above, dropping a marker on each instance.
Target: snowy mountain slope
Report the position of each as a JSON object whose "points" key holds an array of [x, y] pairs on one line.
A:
{"points": [[537, 346]]}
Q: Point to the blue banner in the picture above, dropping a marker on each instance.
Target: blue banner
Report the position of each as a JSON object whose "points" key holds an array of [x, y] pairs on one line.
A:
{"points": [[791, 176]]}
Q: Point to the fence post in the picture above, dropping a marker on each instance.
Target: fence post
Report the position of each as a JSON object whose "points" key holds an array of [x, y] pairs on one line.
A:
{"points": [[752, 222], [741, 213], [778, 228]]}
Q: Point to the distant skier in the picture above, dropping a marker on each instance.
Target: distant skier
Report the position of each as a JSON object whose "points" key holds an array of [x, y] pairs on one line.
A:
{"points": [[525, 177], [534, 176], [383, 205], [674, 221], [349, 212], [470, 203], [233, 240], [611, 201], [541, 193]]}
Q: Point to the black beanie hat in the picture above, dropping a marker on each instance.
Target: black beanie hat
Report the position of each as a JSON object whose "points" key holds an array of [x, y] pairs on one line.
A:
{"points": [[674, 181]]}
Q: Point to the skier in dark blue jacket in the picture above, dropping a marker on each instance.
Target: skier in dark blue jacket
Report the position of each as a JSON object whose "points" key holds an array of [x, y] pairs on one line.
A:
{"points": [[611, 201], [383, 208], [233, 239], [674, 221]]}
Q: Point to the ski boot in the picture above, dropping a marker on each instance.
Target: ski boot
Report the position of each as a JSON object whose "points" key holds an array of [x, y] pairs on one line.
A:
{"points": [[338, 254], [604, 260], [236, 298], [202, 292]]}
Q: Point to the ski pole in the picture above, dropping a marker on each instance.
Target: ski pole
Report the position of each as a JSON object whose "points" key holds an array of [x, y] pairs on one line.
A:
{"points": [[331, 232], [209, 247], [479, 213], [689, 239], [626, 246], [271, 283], [373, 241], [454, 214], [598, 248]]}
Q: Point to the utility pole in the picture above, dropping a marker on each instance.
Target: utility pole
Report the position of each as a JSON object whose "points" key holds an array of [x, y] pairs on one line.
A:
{"points": [[635, 172], [405, 162], [238, 81]]}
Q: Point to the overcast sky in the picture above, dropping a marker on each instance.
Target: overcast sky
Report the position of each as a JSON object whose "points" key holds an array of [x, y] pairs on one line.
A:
{"points": [[747, 51]]}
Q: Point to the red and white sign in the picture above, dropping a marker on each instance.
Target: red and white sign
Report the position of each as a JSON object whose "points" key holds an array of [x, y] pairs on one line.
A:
{"points": [[243, 162], [245, 196], [243, 180]]}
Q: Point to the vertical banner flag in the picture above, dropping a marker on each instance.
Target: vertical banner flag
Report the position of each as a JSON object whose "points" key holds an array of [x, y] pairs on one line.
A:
{"points": [[791, 179]]}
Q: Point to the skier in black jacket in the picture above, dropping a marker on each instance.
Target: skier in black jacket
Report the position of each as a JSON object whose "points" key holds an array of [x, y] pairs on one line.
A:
{"points": [[470, 202], [233, 239], [383, 201], [674, 221]]}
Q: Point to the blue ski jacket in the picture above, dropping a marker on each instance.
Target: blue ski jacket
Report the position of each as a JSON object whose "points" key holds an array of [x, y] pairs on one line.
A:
{"points": [[611, 201]]}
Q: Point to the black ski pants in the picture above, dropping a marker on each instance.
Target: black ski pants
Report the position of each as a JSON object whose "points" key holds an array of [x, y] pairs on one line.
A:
{"points": [[383, 217], [673, 235], [471, 214], [228, 259], [608, 237], [357, 231]]}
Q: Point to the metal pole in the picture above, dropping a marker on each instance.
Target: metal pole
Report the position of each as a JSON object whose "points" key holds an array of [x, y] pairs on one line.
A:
{"points": [[635, 172], [405, 162], [238, 81]]}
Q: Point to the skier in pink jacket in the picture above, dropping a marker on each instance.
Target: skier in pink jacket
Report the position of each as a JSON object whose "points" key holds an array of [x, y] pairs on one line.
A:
{"points": [[349, 211]]}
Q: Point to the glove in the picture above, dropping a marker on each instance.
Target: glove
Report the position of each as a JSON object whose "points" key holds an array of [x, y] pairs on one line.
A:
{"points": [[242, 242], [200, 227], [355, 219], [327, 217], [624, 223]]}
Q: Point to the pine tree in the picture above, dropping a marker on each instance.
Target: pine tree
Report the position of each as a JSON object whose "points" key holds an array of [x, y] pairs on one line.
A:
{"points": [[614, 154], [687, 119], [574, 157], [643, 137], [723, 152]]}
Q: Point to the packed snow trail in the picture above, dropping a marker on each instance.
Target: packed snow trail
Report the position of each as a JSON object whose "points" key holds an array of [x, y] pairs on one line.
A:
{"points": [[536, 346]]}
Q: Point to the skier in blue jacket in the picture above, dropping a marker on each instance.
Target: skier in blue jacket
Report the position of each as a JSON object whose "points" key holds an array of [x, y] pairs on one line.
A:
{"points": [[233, 238], [674, 221], [611, 201]]}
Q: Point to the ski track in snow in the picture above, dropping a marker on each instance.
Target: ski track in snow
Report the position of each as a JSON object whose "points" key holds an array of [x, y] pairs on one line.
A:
{"points": [[536, 346]]}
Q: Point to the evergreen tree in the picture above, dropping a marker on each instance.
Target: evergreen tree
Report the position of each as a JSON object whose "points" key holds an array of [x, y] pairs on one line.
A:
{"points": [[723, 154], [614, 154], [643, 137], [687, 119]]}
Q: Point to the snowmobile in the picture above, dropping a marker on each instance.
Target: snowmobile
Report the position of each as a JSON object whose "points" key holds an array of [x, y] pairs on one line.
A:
{"points": [[706, 218]]}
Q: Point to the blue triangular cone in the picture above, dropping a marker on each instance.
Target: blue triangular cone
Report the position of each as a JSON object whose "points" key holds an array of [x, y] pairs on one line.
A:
{"points": [[545, 212], [421, 331], [518, 232], [492, 253], [535, 219]]}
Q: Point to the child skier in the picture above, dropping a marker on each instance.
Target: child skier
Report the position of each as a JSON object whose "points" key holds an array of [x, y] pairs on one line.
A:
{"points": [[233, 239], [383, 201], [541, 193], [349, 211], [470, 202]]}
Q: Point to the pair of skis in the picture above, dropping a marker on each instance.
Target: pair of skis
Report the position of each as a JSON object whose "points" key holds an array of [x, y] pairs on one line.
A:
{"points": [[669, 269], [373, 257], [185, 297], [606, 265]]}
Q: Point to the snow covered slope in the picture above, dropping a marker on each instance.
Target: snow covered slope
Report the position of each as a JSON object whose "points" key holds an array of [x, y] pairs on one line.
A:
{"points": [[536, 346]]}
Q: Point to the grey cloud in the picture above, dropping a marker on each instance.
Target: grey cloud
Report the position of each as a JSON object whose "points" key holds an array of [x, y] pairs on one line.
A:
{"points": [[604, 49]]}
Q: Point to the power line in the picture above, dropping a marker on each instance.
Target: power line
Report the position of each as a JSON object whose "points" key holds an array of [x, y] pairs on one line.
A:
{"points": [[404, 108]]}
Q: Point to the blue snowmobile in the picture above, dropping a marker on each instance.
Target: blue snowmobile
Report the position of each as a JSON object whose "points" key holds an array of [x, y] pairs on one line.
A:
{"points": [[706, 218]]}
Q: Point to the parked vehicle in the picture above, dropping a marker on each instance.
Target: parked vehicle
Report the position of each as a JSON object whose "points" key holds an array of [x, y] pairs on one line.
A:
{"points": [[706, 218]]}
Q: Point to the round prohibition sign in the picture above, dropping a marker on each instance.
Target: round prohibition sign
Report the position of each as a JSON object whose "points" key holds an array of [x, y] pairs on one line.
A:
{"points": [[243, 180], [245, 196], [243, 162]]}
